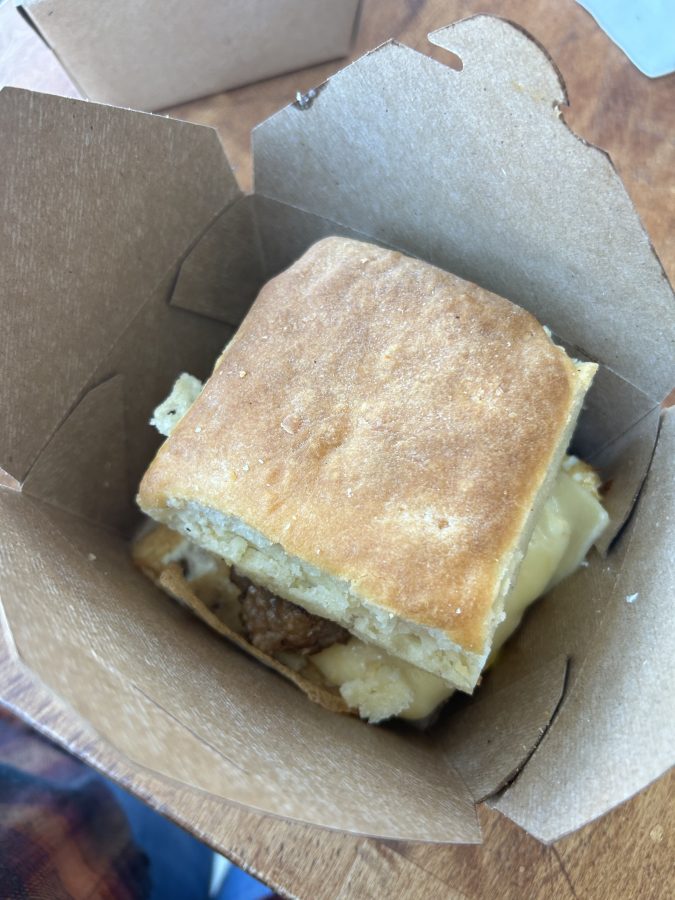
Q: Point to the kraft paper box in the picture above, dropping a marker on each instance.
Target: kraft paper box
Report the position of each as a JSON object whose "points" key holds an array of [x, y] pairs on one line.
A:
{"points": [[130, 255], [150, 54]]}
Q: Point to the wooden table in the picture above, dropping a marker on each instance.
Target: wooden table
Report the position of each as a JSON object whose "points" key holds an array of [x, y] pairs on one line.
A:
{"points": [[631, 851]]}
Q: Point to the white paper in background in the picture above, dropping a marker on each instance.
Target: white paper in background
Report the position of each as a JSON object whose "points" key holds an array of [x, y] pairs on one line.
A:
{"points": [[643, 29]]}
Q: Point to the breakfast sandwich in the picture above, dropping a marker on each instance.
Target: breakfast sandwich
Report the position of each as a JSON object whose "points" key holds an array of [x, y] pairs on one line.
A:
{"points": [[373, 484]]}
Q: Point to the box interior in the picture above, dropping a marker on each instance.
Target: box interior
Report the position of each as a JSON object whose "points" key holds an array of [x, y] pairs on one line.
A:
{"points": [[135, 255]]}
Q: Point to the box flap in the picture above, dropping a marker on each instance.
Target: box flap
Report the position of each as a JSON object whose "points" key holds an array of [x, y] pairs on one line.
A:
{"points": [[253, 240], [100, 205], [173, 697], [93, 435], [287, 231], [421, 156], [152, 54], [95, 459], [222, 274], [624, 465], [493, 735], [160, 343], [616, 433], [615, 731]]}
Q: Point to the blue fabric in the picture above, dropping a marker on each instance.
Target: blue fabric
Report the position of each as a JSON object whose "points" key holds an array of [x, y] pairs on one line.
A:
{"points": [[69, 819], [180, 865]]}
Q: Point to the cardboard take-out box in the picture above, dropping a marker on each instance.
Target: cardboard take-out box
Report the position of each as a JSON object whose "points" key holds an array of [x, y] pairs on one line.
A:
{"points": [[151, 54], [130, 255]]}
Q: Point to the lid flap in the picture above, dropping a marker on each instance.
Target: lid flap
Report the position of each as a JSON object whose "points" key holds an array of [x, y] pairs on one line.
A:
{"points": [[477, 172], [615, 731], [98, 205]]}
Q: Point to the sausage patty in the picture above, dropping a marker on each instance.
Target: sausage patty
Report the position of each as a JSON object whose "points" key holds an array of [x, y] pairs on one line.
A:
{"points": [[273, 624]]}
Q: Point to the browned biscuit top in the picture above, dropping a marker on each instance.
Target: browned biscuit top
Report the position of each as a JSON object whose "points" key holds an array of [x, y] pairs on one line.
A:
{"points": [[384, 420]]}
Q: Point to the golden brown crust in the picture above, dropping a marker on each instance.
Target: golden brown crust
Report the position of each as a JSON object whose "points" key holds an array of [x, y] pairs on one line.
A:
{"points": [[385, 421], [148, 552]]}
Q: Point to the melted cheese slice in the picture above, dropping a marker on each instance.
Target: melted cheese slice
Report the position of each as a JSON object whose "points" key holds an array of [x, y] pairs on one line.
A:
{"points": [[380, 685]]}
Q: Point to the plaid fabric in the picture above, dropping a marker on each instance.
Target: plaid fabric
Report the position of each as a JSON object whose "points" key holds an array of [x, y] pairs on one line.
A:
{"points": [[62, 833]]}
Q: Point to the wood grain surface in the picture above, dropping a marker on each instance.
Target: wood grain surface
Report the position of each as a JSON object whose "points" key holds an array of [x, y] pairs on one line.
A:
{"points": [[629, 853]]}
